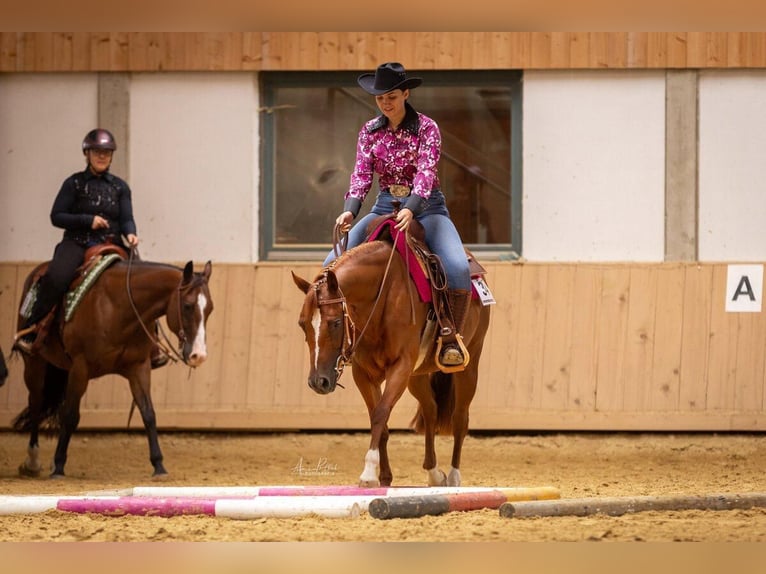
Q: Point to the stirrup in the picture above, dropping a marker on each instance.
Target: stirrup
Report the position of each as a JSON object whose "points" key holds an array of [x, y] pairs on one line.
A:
{"points": [[447, 368]]}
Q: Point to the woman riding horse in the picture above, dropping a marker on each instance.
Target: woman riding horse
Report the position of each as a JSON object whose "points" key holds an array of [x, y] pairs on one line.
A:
{"points": [[403, 147], [93, 207]]}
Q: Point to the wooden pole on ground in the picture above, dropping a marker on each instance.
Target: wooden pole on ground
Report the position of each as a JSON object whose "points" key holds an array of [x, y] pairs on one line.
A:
{"points": [[435, 504], [617, 506]]}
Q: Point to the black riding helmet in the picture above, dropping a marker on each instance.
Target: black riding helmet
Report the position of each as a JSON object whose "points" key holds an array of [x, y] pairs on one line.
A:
{"points": [[99, 139]]}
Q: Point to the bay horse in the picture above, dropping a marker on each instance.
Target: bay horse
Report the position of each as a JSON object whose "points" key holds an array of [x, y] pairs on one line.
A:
{"points": [[109, 333], [362, 309]]}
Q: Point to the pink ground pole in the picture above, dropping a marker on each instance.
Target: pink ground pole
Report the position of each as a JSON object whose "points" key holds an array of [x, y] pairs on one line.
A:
{"points": [[142, 506]]}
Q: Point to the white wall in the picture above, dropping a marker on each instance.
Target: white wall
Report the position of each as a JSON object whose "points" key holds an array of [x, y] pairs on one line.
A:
{"points": [[193, 165], [594, 166], [193, 161], [732, 166], [43, 118]]}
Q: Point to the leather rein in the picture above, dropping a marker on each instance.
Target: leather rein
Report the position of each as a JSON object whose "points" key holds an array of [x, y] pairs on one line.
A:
{"points": [[350, 337], [168, 348]]}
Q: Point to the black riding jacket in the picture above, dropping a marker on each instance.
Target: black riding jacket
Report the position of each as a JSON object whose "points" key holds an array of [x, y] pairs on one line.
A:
{"points": [[84, 195]]}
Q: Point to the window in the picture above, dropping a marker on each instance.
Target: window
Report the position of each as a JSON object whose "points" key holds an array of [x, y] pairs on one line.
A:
{"points": [[310, 123]]}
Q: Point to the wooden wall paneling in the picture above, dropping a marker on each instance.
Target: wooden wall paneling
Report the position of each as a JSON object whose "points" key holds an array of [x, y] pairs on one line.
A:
{"points": [[749, 373], [238, 311], [698, 284], [677, 50], [585, 320], [512, 51], [598, 56], [9, 56], [329, 50], [453, 49], [560, 49], [723, 346], [656, 49], [8, 306], [557, 346], [252, 50], [63, 44], [264, 343], [612, 330], [119, 52], [283, 325], [500, 346], [636, 44], [529, 345], [617, 49], [640, 338], [101, 51], [663, 382], [579, 48], [541, 50]]}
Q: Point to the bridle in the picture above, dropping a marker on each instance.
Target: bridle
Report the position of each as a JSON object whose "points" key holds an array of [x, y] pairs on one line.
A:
{"points": [[349, 329], [350, 337], [168, 348]]}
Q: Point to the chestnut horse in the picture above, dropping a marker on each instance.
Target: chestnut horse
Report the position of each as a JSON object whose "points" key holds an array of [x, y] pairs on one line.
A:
{"points": [[109, 333], [363, 309]]}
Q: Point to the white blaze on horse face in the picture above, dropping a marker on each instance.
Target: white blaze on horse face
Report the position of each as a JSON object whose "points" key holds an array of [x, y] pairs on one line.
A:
{"points": [[199, 347], [316, 321]]}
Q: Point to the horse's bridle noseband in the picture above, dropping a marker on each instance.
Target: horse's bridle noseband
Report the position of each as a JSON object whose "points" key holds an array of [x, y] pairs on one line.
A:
{"points": [[349, 329]]}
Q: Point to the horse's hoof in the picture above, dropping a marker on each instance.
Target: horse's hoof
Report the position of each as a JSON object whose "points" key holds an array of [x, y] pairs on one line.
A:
{"points": [[160, 476], [57, 476], [369, 483], [24, 470], [437, 477]]}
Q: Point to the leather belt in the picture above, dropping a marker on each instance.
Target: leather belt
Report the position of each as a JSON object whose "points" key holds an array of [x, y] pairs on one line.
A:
{"points": [[399, 190]]}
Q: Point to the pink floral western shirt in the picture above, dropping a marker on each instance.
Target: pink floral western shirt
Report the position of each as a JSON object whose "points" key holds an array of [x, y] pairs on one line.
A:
{"points": [[408, 156]]}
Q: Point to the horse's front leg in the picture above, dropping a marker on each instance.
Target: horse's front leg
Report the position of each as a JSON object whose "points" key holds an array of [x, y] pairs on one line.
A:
{"points": [[140, 387], [396, 383], [69, 417]]}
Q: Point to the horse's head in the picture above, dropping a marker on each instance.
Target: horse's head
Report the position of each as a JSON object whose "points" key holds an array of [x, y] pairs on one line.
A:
{"points": [[187, 314], [328, 330]]}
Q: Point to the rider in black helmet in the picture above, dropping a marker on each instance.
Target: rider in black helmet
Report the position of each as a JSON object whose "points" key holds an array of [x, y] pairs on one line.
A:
{"points": [[93, 206]]}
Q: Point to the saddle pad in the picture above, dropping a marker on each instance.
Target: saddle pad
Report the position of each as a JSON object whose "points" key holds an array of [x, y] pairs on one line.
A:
{"points": [[416, 271], [73, 297]]}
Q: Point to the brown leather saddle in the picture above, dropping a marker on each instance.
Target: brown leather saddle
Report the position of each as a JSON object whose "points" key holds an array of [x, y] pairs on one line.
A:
{"points": [[441, 318], [90, 260]]}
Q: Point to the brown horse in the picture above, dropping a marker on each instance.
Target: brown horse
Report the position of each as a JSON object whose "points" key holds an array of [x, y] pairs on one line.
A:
{"points": [[109, 333], [363, 309]]}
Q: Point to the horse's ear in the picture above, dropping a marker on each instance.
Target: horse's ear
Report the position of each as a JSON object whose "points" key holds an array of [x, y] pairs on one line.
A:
{"points": [[302, 284], [188, 271], [208, 270]]}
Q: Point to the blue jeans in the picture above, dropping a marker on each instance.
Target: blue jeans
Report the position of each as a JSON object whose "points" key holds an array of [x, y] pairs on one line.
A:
{"points": [[442, 237]]}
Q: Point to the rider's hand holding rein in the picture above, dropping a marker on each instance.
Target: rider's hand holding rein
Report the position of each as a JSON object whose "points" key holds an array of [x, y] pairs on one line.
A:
{"points": [[344, 221], [403, 219], [101, 223]]}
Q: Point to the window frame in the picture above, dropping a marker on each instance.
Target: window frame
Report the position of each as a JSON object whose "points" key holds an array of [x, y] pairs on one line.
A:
{"points": [[270, 82]]}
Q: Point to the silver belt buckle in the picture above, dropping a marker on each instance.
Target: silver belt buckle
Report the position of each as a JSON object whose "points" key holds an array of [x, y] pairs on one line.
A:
{"points": [[399, 190]]}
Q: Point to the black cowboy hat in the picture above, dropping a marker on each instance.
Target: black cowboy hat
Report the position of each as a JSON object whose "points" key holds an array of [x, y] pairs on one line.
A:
{"points": [[388, 76]]}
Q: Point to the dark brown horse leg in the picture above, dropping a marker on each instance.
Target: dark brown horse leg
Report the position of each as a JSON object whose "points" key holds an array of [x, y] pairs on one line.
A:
{"points": [[69, 417], [34, 374], [140, 387]]}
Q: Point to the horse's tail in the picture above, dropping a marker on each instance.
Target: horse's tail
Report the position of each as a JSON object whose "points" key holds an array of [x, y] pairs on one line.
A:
{"points": [[54, 389], [444, 395]]}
